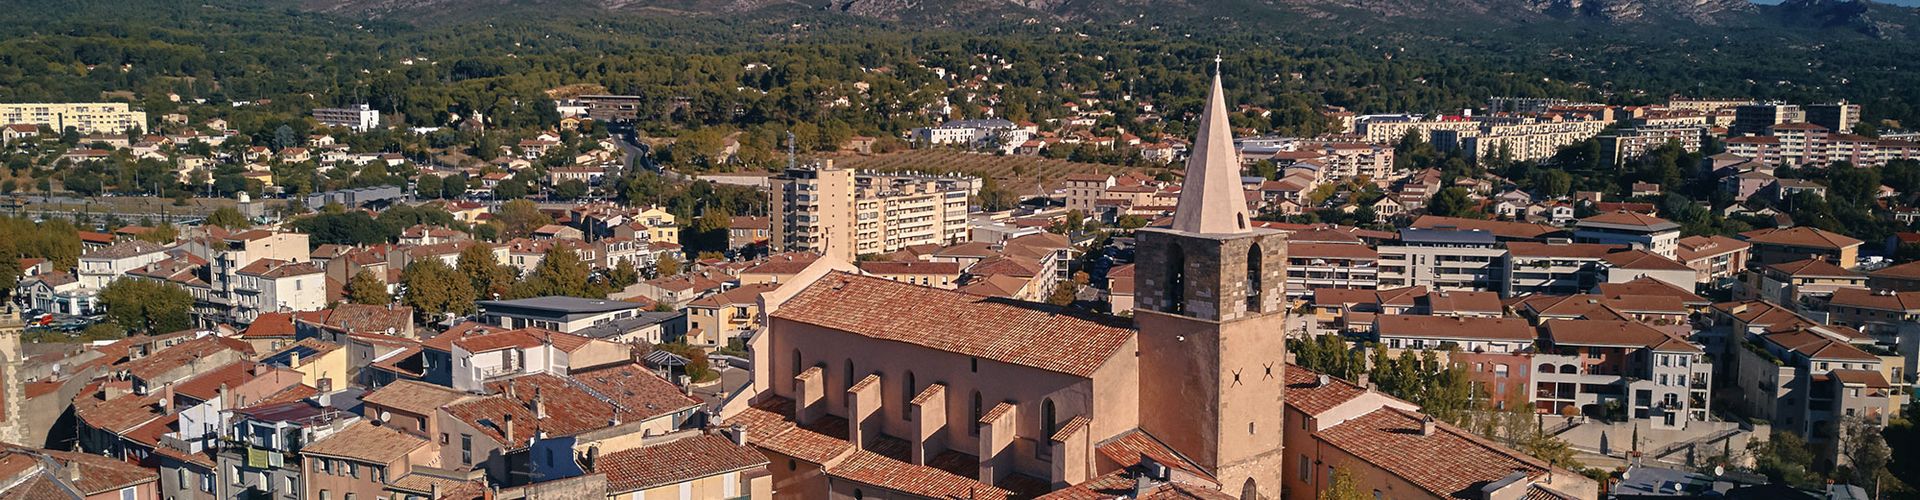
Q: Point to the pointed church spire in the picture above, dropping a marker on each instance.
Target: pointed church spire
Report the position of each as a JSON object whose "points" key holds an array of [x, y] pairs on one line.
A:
{"points": [[1211, 200]]}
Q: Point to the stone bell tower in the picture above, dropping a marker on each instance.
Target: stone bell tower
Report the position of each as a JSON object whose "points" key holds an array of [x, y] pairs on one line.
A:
{"points": [[12, 423], [1212, 320]]}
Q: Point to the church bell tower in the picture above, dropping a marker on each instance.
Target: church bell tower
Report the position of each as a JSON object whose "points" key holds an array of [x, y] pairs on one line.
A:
{"points": [[1212, 320]]}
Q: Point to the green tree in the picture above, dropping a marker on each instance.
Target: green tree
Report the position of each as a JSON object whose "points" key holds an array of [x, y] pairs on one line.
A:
{"points": [[1784, 458], [147, 306], [1454, 202], [993, 198], [435, 290], [572, 189], [228, 217], [698, 368], [1063, 293], [1865, 450], [486, 276], [521, 217], [344, 228], [429, 186], [560, 272], [623, 274], [366, 288], [163, 232], [1343, 486], [668, 265]]}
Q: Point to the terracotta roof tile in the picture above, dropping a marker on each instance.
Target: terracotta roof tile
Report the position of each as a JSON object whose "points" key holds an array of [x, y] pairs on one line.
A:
{"points": [[417, 397], [1801, 236], [677, 461], [367, 442], [1608, 333], [1448, 463], [871, 468], [1020, 333], [1444, 327]]}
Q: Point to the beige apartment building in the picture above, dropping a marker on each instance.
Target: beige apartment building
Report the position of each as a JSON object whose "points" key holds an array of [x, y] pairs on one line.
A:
{"points": [[1519, 138], [86, 118], [870, 212]]}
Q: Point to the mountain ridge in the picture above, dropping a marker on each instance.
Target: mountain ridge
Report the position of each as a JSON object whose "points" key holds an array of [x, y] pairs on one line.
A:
{"points": [[1865, 17]]}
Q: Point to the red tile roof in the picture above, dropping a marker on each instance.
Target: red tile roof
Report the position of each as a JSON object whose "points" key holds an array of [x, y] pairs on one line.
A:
{"points": [[1801, 236], [1444, 327], [1448, 463], [673, 462], [1611, 333], [1020, 333], [918, 480], [364, 441]]}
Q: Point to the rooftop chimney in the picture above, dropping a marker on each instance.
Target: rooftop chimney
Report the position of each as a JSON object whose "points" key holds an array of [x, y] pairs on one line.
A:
{"points": [[739, 435], [73, 471], [1366, 381], [508, 424], [1426, 426], [294, 359], [539, 406], [1141, 484]]}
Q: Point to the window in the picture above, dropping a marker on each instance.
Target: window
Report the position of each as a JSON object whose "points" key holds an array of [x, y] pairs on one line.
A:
{"points": [[796, 362], [1175, 293], [906, 398], [291, 484], [1255, 265], [1049, 424], [129, 493], [181, 476], [1306, 467], [443, 438], [849, 378], [420, 425], [466, 449], [973, 428], [206, 481]]}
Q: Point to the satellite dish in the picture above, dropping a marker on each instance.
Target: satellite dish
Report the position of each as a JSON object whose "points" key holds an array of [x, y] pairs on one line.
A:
{"points": [[386, 417], [1719, 470]]}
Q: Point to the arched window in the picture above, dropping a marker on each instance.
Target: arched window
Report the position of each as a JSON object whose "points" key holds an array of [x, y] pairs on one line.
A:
{"points": [[1176, 286], [1568, 369], [1249, 490], [1049, 424], [1546, 368], [849, 379], [1048, 420], [906, 398], [1254, 267], [973, 426]]}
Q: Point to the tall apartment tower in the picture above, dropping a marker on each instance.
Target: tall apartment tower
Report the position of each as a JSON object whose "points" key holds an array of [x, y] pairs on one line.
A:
{"points": [[1838, 118], [812, 207], [1212, 320], [1753, 119]]}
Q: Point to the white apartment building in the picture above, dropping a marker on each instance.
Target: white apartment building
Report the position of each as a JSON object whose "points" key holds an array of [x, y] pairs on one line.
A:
{"points": [[99, 267], [86, 118], [1388, 129], [269, 285], [360, 118], [1520, 139], [1442, 260]]}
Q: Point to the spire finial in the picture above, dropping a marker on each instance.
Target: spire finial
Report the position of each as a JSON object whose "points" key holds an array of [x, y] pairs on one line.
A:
{"points": [[1216, 63]]}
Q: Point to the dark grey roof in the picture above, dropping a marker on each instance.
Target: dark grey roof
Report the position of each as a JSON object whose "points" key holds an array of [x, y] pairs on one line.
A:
{"points": [[1446, 236], [624, 326], [559, 304]]}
